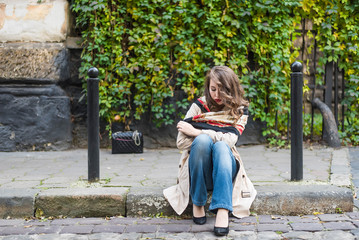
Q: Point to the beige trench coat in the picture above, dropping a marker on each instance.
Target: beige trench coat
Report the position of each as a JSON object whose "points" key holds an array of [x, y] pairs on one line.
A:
{"points": [[243, 190]]}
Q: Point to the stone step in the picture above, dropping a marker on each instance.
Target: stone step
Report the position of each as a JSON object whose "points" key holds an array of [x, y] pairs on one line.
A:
{"points": [[143, 202]]}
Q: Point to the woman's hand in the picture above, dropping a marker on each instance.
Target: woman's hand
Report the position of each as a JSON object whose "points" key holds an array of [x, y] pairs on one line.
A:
{"points": [[188, 129]]}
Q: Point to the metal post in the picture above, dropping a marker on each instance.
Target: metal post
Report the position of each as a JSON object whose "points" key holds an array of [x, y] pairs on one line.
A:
{"points": [[296, 122], [328, 93], [93, 125]]}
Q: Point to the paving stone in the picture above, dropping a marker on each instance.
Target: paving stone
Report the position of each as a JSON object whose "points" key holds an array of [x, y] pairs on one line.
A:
{"points": [[174, 236], [190, 221], [141, 228], [333, 217], [62, 237], [148, 236], [355, 232], [310, 227], [333, 235], [298, 235], [268, 236], [37, 223], [174, 228], [339, 226], [201, 228], [250, 219], [65, 221], [153, 221], [11, 222], [243, 227], [77, 229], [108, 229], [17, 237], [272, 219], [246, 235], [15, 231], [53, 236], [356, 202], [102, 236], [353, 215], [92, 221], [46, 230], [273, 227], [132, 235], [356, 223], [303, 219], [206, 236], [123, 221]]}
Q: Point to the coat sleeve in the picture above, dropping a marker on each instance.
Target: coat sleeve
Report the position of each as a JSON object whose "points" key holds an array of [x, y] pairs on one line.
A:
{"points": [[184, 142]]}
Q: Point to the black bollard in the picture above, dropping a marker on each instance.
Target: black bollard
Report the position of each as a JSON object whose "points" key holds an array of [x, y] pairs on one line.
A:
{"points": [[93, 126], [296, 122]]}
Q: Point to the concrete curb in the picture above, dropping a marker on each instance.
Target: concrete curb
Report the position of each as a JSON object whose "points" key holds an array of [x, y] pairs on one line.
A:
{"points": [[17, 203], [302, 199], [135, 202], [82, 202]]}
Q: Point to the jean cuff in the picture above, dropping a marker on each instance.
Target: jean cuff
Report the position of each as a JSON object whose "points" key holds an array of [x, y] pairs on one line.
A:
{"points": [[214, 208], [199, 204]]}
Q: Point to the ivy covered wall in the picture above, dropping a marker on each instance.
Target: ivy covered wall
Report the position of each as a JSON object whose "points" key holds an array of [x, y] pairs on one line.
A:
{"points": [[153, 55]]}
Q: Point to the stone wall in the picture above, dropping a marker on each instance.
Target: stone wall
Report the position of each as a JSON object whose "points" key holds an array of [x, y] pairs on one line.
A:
{"points": [[35, 111]]}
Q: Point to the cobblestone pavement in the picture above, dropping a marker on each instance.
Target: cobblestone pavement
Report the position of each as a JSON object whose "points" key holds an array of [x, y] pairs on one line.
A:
{"points": [[319, 226]]}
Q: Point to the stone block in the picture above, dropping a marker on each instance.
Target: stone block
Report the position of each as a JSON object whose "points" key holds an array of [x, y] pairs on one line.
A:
{"points": [[339, 226], [273, 227], [333, 235], [333, 217], [17, 203], [41, 230], [302, 199], [34, 118], [82, 202], [298, 235], [77, 229], [147, 201], [174, 228], [308, 227], [141, 229], [7, 139], [340, 180], [108, 229], [17, 232], [34, 62]]}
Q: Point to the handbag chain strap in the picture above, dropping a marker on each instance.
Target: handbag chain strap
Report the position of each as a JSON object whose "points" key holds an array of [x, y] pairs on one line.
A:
{"points": [[136, 138]]}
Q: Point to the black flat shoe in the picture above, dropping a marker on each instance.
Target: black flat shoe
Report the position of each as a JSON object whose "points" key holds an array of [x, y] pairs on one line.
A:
{"points": [[221, 231], [200, 220]]}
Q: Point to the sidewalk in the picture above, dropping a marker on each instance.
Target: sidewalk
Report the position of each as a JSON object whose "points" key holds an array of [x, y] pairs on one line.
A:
{"points": [[54, 183]]}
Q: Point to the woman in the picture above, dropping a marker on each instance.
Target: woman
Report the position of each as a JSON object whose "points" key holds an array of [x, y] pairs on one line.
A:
{"points": [[210, 161]]}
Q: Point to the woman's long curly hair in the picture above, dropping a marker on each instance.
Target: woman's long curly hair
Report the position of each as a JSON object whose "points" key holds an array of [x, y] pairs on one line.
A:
{"points": [[230, 91]]}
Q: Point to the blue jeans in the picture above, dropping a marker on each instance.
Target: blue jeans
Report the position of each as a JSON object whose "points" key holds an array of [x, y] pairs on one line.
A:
{"points": [[212, 167]]}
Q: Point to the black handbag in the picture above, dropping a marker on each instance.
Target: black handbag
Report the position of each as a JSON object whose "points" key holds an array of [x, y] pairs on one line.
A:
{"points": [[127, 142]]}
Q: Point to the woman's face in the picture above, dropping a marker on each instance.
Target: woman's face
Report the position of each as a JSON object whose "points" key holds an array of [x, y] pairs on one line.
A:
{"points": [[214, 92]]}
